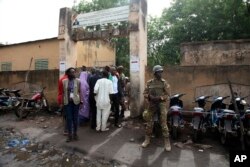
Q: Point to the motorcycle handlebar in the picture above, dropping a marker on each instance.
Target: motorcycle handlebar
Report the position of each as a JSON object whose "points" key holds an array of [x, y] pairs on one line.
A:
{"points": [[180, 95], [245, 97], [225, 97]]}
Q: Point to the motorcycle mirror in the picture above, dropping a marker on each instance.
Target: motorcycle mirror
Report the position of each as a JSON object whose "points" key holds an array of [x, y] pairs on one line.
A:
{"points": [[237, 99], [243, 102]]}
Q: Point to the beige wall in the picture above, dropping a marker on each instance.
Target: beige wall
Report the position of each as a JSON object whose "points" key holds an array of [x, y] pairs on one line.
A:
{"points": [[36, 80], [88, 53], [206, 80], [194, 81], [95, 53], [229, 52], [20, 54]]}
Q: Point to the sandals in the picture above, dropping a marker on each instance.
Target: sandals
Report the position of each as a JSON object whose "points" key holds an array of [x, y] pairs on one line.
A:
{"points": [[107, 129]]}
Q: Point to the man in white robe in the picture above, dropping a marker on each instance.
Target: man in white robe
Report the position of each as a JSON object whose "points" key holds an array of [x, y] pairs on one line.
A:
{"points": [[103, 89]]}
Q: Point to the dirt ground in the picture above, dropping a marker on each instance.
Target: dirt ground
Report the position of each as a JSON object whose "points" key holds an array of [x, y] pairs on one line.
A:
{"points": [[38, 151], [38, 141]]}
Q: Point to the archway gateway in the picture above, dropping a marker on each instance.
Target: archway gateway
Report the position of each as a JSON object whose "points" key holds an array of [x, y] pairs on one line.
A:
{"points": [[71, 30]]}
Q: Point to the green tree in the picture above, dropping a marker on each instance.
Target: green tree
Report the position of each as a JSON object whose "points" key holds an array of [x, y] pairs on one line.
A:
{"points": [[196, 20]]}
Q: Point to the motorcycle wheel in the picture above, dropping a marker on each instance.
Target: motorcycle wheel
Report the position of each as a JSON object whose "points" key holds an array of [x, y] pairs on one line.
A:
{"points": [[224, 138], [174, 132], [21, 113]]}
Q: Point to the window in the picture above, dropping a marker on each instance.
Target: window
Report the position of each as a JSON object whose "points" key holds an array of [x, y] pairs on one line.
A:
{"points": [[7, 66], [41, 64]]}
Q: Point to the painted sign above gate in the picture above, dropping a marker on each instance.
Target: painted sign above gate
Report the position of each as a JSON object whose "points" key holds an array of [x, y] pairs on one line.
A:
{"points": [[100, 17]]}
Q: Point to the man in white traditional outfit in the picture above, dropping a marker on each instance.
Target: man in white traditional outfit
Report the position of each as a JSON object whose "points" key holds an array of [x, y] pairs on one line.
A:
{"points": [[103, 89]]}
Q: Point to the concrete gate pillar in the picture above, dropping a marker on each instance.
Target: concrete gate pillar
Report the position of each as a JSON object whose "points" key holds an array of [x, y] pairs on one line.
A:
{"points": [[138, 53], [67, 47], [138, 49]]}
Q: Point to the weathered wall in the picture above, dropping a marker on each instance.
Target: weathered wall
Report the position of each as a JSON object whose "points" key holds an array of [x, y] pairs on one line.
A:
{"points": [[230, 52], [36, 80], [88, 53], [194, 81], [138, 53], [20, 54], [95, 53], [206, 80]]}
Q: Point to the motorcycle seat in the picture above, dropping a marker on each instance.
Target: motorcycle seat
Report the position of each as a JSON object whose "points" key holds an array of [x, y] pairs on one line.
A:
{"points": [[247, 112], [228, 111], [175, 108], [31, 100], [198, 109]]}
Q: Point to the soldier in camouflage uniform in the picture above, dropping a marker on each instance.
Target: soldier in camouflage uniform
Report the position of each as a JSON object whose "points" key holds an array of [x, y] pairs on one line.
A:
{"points": [[156, 92]]}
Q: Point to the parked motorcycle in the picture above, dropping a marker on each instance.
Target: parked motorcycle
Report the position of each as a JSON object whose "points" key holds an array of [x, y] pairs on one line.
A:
{"points": [[246, 123], [228, 126], [9, 99], [199, 118], [244, 117], [175, 115], [36, 103], [215, 111]]}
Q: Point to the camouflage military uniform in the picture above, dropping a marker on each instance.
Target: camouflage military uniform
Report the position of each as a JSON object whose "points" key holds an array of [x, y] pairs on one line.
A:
{"points": [[156, 88]]}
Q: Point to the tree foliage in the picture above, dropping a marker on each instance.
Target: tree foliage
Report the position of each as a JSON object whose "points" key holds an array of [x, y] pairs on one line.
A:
{"points": [[184, 21], [196, 20]]}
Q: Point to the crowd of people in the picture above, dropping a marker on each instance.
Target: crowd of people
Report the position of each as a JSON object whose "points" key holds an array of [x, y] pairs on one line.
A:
{"points": [[92, 97]]}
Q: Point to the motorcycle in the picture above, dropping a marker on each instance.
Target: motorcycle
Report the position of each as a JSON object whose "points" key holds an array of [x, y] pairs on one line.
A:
{"points": [[36, 103], [244, 117], [9, 101], [246, 123], [175, 115], [215, 112], [227, 125], [223, 120], [199, 118]]}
